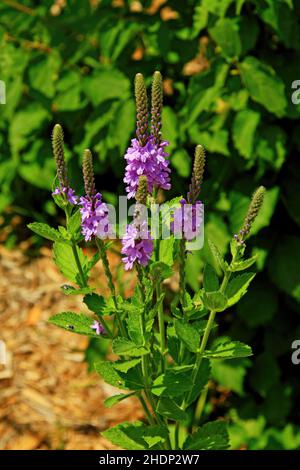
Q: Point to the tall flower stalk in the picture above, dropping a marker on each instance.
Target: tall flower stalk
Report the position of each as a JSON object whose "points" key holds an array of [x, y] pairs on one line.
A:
{"points": [[164, 350]]}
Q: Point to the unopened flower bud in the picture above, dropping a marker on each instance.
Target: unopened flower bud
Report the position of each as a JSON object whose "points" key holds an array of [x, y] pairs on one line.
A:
{"points": [[88, 173], [157, 103], [197, 175], [141, 109], [58, 152]]}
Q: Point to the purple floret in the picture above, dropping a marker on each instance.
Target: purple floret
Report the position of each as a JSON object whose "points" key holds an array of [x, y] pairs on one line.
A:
{"points": [[94, 213], [188, 219], [135, 248], [99, 329], [149, 160], [69, 192]]}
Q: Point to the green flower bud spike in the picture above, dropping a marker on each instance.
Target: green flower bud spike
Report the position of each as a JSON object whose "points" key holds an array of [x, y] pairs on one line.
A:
{"points": [[157, 104], [88, 173], [142, 191], [197, 175], [253, 210], [142, 115], [58, 152]]}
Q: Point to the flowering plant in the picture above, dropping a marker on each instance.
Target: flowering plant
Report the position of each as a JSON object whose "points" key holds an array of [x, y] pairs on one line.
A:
{"points": [[164, 348]]}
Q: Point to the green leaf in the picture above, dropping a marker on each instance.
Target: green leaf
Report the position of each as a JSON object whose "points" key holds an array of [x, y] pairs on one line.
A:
{"points": [[170, 126], [105, 85], [229, 350], [94, 302], [217, 7], [260, 305], [166, 251], [188, 334], [107, 371], [264, 85], [226, 34], [211, 436], [173, 344], [217, 255], [215, 301], [242, 265], [115, 399], [70, 290], [125, 347], [136, 436], [134, 327], [74, 322], [211, 280], [65, 261], [200, 382], [46, 231], [231, 374], [170, 410], [237, 287], [74, 224], [174, 382], [181, 161], [284, 265], [243, 131]]}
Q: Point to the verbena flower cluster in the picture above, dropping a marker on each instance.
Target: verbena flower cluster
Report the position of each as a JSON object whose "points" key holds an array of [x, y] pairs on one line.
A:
{"points": [[188, 220], [136, 246], [94, 216], [149, 160]]}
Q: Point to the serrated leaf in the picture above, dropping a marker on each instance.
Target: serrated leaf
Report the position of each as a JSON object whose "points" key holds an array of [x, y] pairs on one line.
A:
{"points": [[174, 382], [136, 436], [237, 287], [215, 301], [211, 436], [188, 334], [74, 322], [94, 302], [70, 290], [65, 261], [109, 374], [242, 265], [229, 350], [134, 327], [115, 399], [211, 280], [168, 408], [46, 231], [160, 270], [74, 224], [200, 382], [166, 251], [125, 347], [217, 255], [226, 34]]}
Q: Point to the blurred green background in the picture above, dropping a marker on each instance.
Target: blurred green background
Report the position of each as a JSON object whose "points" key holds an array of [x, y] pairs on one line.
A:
{"points": [[228, 68]]}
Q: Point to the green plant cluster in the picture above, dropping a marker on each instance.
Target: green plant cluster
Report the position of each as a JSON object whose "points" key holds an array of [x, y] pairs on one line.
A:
{"points": [[229, 66]]}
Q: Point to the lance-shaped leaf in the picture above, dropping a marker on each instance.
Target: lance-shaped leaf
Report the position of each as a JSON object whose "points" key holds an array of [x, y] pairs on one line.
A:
{"points": [[109, 374], [136, 436], [125, 347], [74, 225], [216, 301], [200, 381], [174, 382], [75, 322], [242, 265], [115, 399], [70, 290], [47, 232], [237, 287], [96, 303], [211, 281], [65, 261], [229, 350], [188, 334], [211, 436], [134, 326], [169, 408]]}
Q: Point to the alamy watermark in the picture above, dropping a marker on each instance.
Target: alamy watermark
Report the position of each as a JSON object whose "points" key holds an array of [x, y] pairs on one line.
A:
{"points": [[296, 94], [3, 353], [2, 92], [296, 354]]}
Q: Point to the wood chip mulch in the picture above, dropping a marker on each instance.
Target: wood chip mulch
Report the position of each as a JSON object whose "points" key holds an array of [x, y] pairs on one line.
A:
{"points": [[48, 400]]}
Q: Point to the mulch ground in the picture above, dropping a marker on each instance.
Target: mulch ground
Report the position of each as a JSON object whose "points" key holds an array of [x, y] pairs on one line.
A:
{"points": [[48, 400]]}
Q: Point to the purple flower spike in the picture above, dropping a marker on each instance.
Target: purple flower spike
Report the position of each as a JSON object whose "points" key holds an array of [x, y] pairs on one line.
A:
{"points": [[149, 160], [99, 329], [188, 220], [94, 212], [137, 245], [69, 192]]}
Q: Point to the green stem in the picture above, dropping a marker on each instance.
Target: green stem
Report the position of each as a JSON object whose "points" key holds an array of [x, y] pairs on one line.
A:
{"points": [[78, 264], [101, 247], [107, 329], [199, 356], [146, 409], [161, 326]]}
